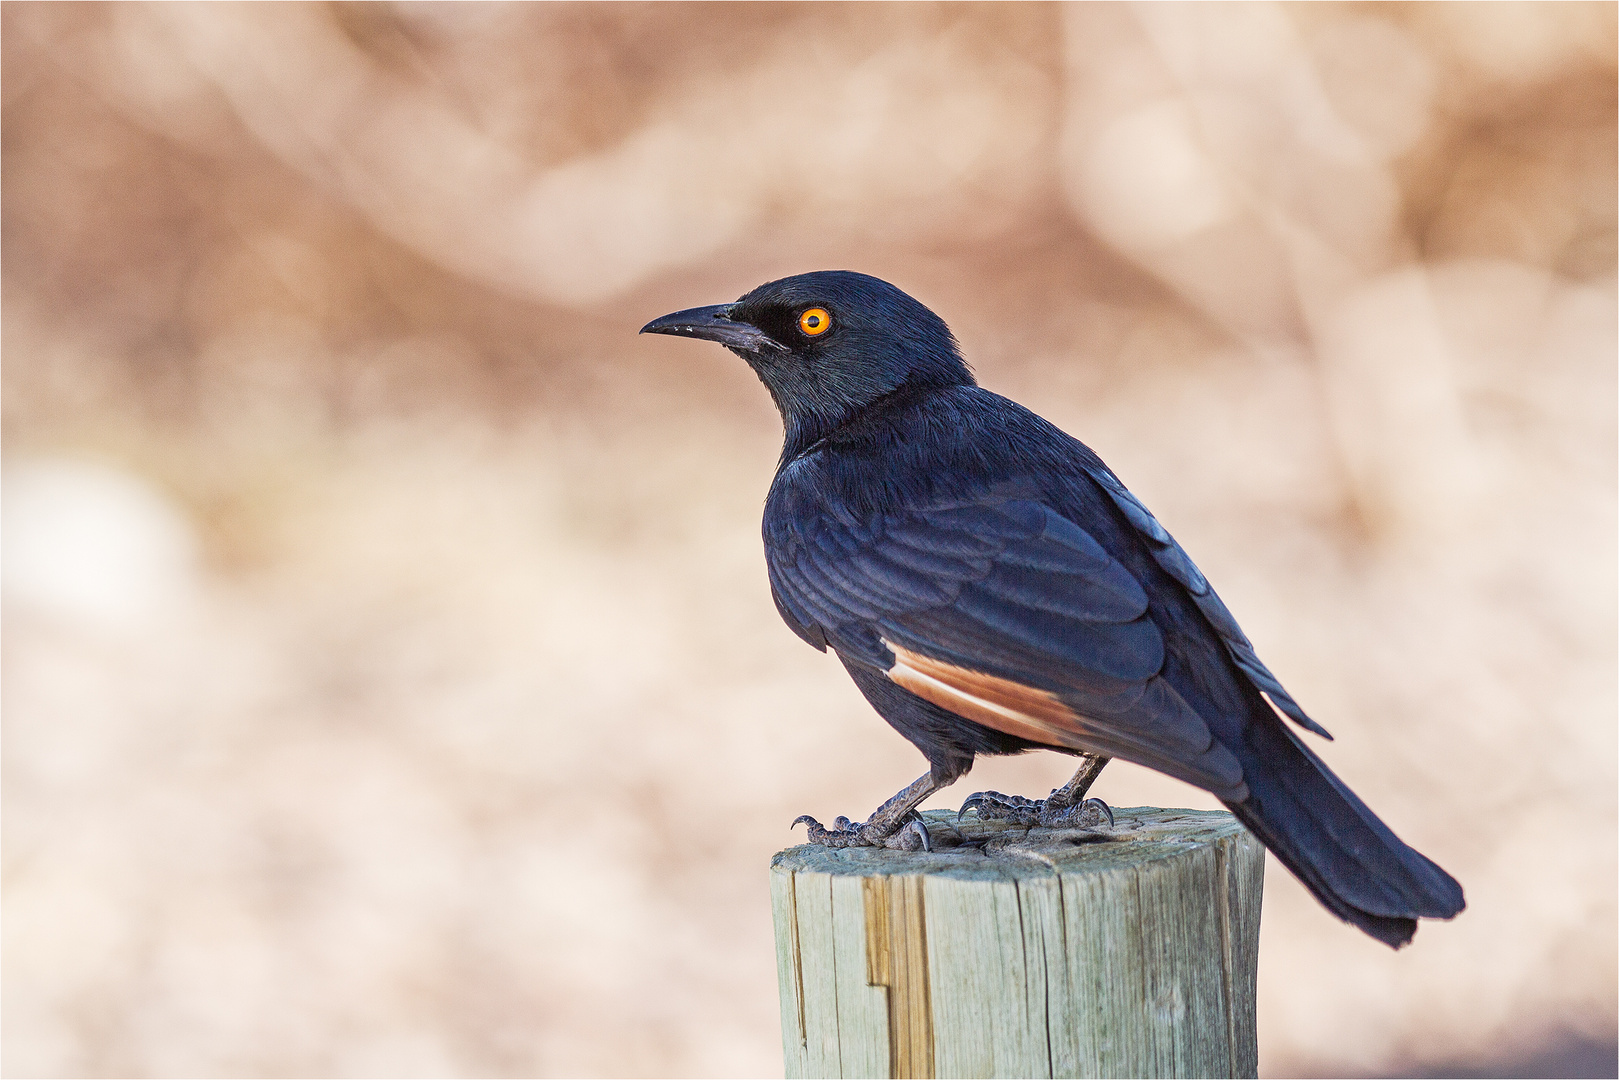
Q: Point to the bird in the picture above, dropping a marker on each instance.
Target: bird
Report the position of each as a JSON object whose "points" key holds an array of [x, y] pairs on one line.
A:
{"points": [[992, 587]]}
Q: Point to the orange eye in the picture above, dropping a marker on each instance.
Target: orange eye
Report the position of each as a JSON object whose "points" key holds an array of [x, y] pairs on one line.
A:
{"points": [[815, 322]]}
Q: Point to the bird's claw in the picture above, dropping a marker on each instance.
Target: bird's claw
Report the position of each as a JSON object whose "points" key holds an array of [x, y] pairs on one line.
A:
{"points": [[1045, 813], [1089, 814], [910, 835], [1000, 807], [842, 834]]}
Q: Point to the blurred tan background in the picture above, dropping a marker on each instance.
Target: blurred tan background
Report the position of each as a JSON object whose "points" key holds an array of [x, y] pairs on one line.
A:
{"points": [[392, 685]]}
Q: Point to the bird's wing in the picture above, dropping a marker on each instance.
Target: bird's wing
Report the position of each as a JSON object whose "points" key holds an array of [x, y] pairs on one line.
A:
{"points": [[1004, 612], [1177, 564]]}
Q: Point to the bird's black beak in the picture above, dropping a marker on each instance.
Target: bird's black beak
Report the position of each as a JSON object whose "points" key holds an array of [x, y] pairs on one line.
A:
{"points": [[713, 324]]}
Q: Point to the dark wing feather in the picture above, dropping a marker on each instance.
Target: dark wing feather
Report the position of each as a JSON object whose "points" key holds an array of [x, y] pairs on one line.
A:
{"points": [[1177, 564], [1005, 612]]}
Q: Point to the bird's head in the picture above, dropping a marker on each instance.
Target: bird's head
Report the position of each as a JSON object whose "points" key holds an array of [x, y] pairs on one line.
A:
{"points": [[827, 345]]}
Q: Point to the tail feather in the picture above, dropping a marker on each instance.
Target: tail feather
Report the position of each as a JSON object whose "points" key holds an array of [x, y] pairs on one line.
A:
{"points": [[1334, 844]]}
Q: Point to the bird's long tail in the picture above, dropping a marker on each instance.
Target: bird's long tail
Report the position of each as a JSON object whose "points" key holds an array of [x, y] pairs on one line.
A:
{"points": [[1335, 845]]}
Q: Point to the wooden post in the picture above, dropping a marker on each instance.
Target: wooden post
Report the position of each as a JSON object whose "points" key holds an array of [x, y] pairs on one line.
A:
{"points": [[1126, 951]]}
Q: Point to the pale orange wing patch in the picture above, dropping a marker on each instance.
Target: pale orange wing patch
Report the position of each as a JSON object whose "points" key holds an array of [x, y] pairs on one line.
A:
{"points": [[997, 703]]}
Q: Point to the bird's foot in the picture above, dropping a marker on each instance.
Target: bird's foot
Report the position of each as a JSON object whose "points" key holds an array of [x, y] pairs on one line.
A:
{"points": [[1050, 813], [909, 833]]}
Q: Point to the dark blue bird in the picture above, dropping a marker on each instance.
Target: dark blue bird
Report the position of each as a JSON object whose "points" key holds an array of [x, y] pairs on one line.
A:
{"points": [[992, 588]]}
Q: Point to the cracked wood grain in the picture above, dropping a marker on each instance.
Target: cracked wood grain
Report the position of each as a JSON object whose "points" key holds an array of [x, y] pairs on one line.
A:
{"points": [[896, 959]]}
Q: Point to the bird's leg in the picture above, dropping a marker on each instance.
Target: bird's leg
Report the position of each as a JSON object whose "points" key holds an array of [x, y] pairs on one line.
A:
{"points": [[1073, 792], [1065, 808], [894, 824]]}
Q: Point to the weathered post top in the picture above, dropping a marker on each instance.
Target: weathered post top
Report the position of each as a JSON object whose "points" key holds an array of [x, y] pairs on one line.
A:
{"points": [[1124, 951]]}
